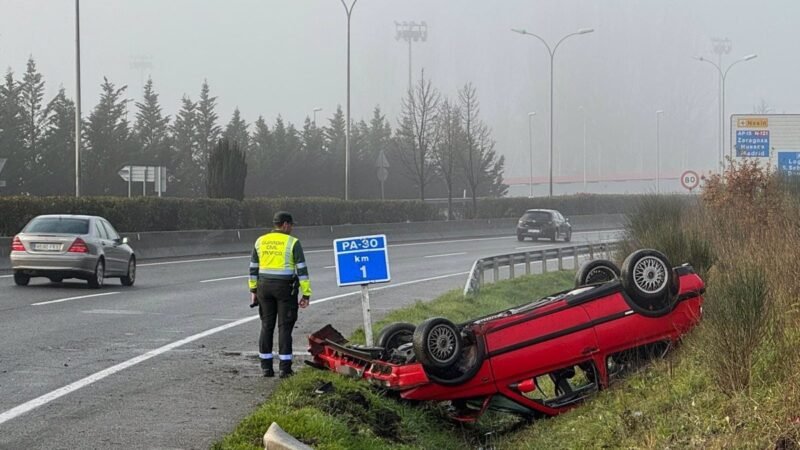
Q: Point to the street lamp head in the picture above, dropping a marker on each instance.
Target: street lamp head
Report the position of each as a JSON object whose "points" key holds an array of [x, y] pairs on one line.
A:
{"points": [[317, 109], [749, 57], [585, 30], [531, 114], [518, 30], [660, 111]]}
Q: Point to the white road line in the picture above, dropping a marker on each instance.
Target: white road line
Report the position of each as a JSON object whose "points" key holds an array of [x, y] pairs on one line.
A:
{"points": [[91, 379], [329, 267], [186, 261], [445, 254], [6, 276], [224, 279], [73, 298]]}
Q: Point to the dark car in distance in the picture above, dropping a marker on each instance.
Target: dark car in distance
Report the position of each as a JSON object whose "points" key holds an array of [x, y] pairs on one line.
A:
{"points": [[544, 223]]}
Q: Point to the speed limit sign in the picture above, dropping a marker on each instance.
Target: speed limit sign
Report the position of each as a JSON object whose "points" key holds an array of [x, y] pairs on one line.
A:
{"points": [[690, 180]]}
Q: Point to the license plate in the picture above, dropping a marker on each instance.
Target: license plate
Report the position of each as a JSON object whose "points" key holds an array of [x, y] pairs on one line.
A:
{"points": [[533, 231], [47, 247]]}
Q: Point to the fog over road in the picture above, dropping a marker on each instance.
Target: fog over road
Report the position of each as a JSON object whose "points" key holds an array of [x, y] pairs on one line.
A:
{"points": [[171, 362]]}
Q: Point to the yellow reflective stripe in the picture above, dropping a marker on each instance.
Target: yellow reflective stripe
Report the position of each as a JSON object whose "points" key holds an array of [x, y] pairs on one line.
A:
{"points": [[287, 257], [276, 272]]}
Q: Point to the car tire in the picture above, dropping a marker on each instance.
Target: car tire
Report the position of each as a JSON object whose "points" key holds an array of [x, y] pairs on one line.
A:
{"points": [[98, 278], [395, 335], [568, 237], [520, 237], [469, 363], [554, 236], [596, 271], [648, 280], [21, 279], [130, 277], [437, 343]]}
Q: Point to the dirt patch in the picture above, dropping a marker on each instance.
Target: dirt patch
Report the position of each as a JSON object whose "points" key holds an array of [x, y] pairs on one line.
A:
{"points": [[360, 412]]}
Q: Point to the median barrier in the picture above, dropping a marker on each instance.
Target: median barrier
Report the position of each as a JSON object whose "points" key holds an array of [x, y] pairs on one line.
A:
{"points": [[176, 244]]}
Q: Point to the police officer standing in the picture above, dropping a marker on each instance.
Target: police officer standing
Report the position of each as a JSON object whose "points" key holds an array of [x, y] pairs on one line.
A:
{"points": [[277, 269]]}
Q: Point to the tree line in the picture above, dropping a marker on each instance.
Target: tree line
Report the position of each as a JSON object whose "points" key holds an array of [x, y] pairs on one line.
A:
{"points": [[439, 147]]}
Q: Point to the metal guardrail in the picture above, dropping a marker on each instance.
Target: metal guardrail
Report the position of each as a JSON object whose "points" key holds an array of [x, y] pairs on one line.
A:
{"points": [[511, 260]]}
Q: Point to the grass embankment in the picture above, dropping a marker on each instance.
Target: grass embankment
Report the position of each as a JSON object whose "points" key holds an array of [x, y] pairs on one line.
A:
{"points": [[358, 416]]}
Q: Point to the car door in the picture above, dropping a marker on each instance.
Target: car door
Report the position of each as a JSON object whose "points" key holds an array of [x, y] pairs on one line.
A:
{"points": [[562, 224], [116, 256]]}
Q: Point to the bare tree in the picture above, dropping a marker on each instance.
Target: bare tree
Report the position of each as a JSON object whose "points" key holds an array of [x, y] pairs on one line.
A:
{"points": [[448, 148], [417, 132], [479, 159]]}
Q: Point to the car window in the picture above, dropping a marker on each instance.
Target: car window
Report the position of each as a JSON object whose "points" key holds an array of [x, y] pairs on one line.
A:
{"points": [[112, 233], [559, 216], [58, 225], [101, 232], [536, 215]]}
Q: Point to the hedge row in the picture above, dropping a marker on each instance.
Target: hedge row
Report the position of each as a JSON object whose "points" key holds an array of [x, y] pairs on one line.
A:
{"points": [[168, 214]]}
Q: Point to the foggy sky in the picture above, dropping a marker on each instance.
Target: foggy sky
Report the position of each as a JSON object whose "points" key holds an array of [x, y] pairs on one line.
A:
{"points": [[271, 57]]}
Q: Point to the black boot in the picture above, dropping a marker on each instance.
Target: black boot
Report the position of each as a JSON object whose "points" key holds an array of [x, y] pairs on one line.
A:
{"points": [[266, 367], [286, 369]]}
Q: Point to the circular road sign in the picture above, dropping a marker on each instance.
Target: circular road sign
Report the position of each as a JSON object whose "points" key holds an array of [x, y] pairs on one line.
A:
{"points": [[690, 179]]}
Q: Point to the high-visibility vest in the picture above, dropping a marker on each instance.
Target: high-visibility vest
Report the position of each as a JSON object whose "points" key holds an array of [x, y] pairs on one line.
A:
{"points": [[279, 256]]}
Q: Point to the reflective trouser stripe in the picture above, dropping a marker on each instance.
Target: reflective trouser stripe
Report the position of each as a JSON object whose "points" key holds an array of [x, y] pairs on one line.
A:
{"points": [[285, 357], [265, 355]]}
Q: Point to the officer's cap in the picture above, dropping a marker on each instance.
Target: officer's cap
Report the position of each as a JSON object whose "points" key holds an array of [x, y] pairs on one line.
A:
{"points": [[282, 217]]}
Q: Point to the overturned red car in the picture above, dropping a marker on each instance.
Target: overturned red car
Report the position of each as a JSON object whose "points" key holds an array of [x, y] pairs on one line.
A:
{"points": [[536, 359]]}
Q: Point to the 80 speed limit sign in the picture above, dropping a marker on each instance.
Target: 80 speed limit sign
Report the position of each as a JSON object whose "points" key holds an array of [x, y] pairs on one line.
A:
{"points": [[690, 180]]}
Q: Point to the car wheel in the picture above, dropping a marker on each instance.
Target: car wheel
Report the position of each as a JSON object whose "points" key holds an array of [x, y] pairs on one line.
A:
{"points": [[395, 335], [130, 278], [96, 282], [554, 236], [469, 363], [568, 237], [648, 279], [20, 279], [520, 237], [596, 271], [437, 343]]}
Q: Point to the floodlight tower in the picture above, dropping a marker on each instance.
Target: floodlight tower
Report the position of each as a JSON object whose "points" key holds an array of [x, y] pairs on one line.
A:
{"points": [[411, 32]]}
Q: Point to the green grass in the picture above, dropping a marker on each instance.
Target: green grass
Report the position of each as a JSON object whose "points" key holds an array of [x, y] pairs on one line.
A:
{"points": [[359, 416]]}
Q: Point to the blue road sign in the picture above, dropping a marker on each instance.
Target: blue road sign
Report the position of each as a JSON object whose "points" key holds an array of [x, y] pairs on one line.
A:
{"points": [[789, 163], [361, 260], [752, 143]]}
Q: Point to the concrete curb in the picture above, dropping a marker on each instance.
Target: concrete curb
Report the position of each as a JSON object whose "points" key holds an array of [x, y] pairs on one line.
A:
{"points": [[178, 244], [277, 439]]}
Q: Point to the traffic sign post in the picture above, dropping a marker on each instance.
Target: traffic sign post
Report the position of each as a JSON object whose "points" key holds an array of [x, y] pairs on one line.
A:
{"points": [[2, 164], [690, 180], [145, 174], [362, 260]]}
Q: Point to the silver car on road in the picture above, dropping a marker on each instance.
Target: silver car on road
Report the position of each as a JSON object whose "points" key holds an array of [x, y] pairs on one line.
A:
{"points": [[72, 246]]}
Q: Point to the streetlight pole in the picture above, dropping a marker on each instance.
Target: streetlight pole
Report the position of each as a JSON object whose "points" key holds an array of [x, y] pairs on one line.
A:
{"points": [[723, 75], [411, 31], [552, 52], [77, 98], [658, 151], [530, 143], [583, 110], [315, 111], [349, 11]]}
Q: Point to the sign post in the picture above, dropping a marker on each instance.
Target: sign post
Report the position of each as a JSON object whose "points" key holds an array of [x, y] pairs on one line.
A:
{"points": [[2, 164], [362, 260], [145, 174], [690, 180]]}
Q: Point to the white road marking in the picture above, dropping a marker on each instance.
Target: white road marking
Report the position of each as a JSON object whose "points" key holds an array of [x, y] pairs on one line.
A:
{"points": [[74, 298], [91, 379], [187, 261], [224, 279], [329, 267], [6, 276], [445, 254]]}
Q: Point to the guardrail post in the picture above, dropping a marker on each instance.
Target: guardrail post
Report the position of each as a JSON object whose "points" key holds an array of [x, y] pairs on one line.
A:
{"points": [[544, 261], [527, 263], [560, 259], [574, 258], [496, 271], [480, 274], [511, 260]]}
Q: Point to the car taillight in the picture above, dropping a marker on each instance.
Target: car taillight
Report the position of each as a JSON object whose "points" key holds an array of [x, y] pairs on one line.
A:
{"points": [[78, 246], [16, 245]]}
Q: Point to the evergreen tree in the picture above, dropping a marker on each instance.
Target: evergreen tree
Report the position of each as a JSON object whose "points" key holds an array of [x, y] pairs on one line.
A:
{"points": [[237, 131], [55, 171], [257, 159], [107, 143], [151, 130], [11, 137], [208, 132], [34, 116], [313, 159], [334, 158], [186, 177], [227, 171]]}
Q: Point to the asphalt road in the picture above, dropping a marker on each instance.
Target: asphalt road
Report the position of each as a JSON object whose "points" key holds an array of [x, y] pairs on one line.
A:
{"points": [[172, 362]]}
